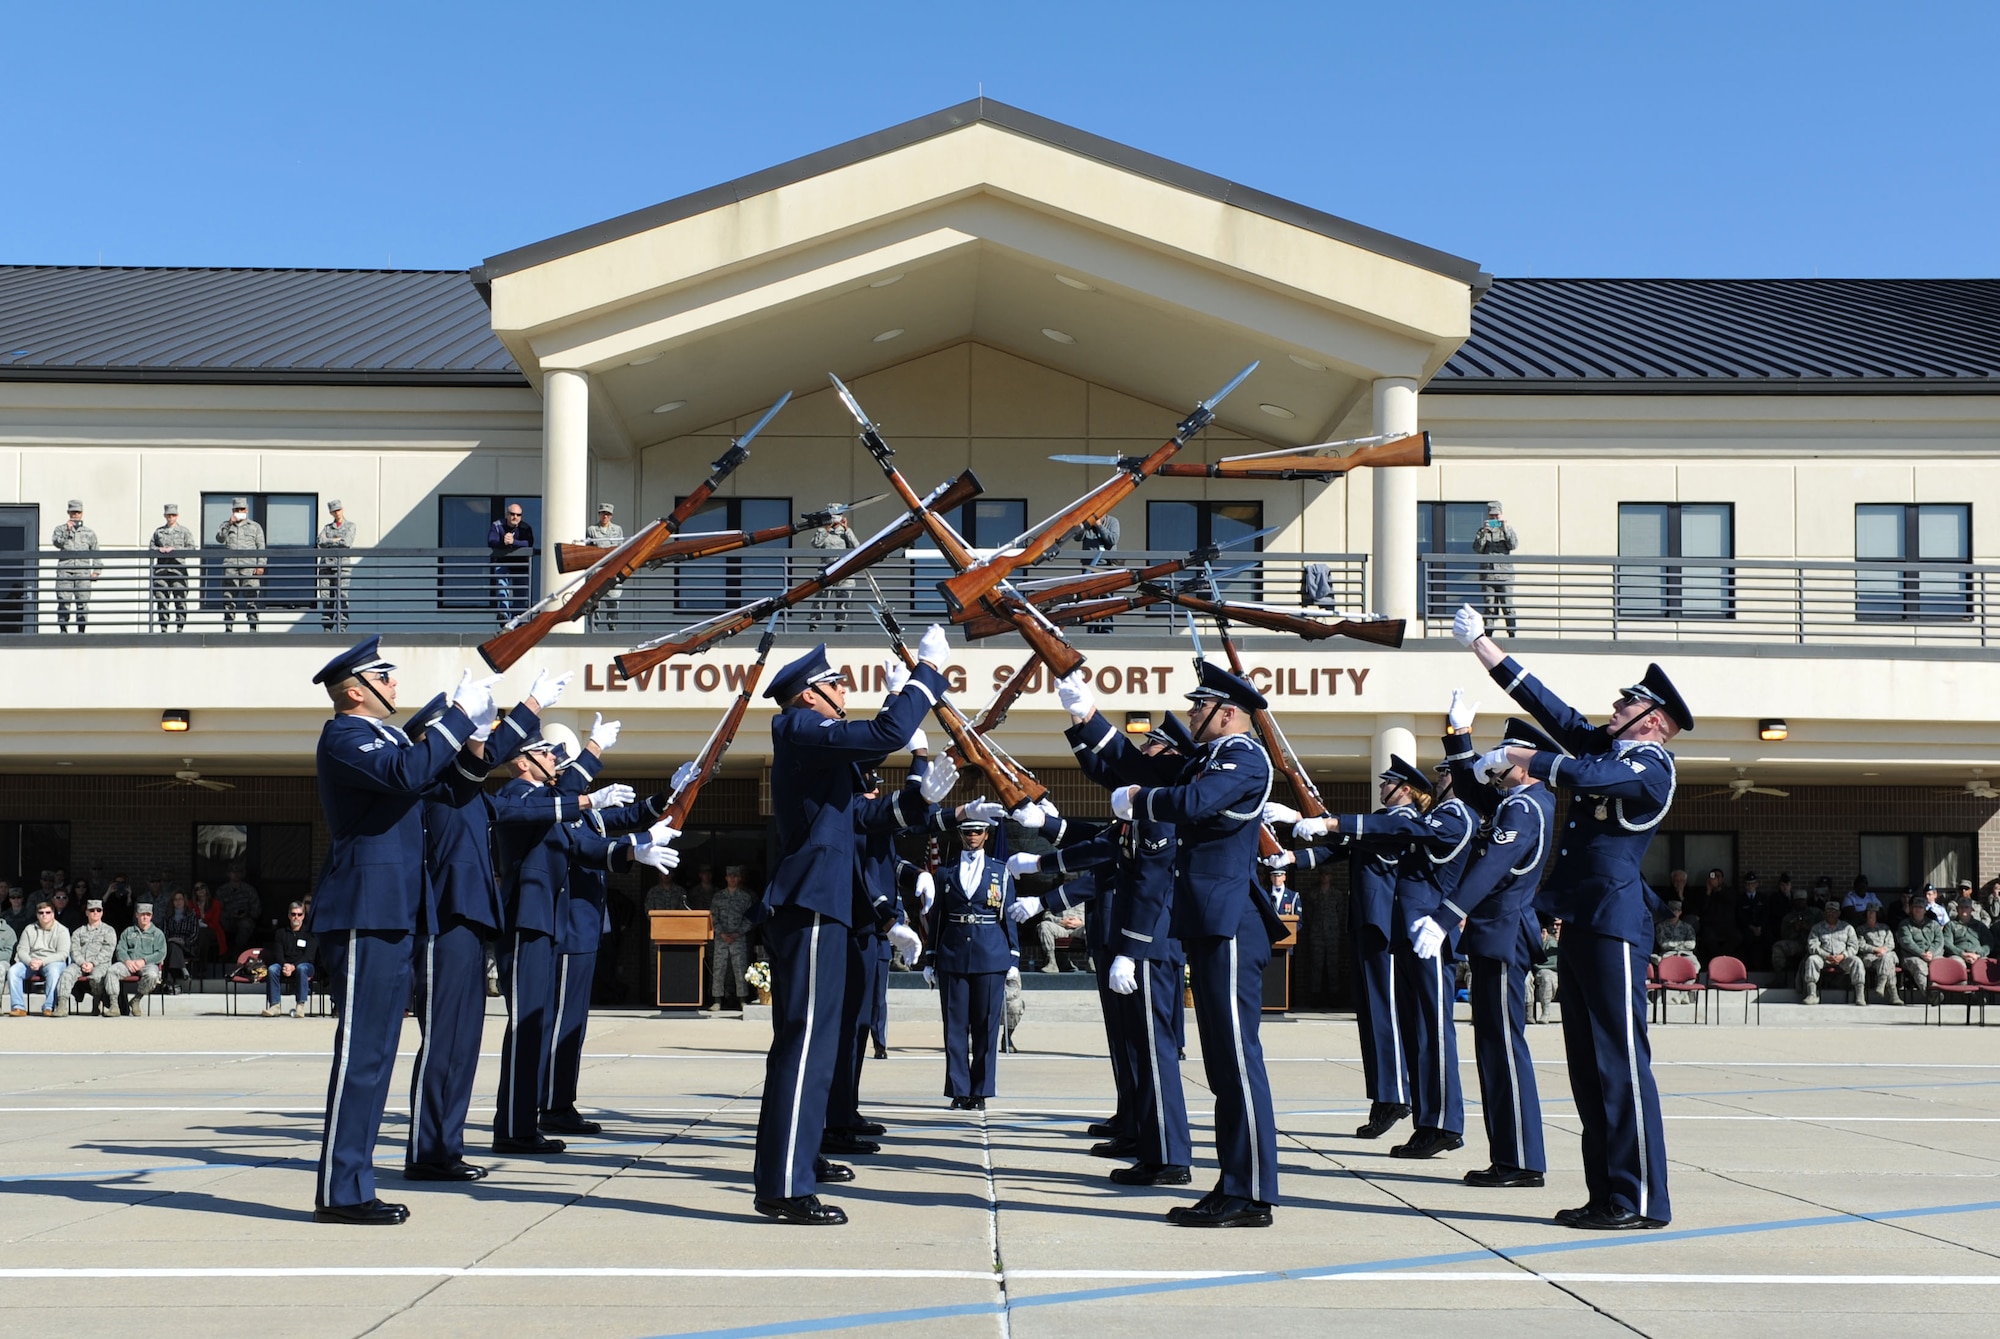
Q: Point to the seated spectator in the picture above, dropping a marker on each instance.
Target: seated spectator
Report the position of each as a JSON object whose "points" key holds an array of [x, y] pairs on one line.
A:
{"points": [[242, 912], [16, 911], [1763, 910], [8, 938], [1985, 903], [288, 962], [1054, 925], [43, 947], [1832, 945], [142, 956], [93, 947], [118, 902], [1920, 942], [69, 914], [217, 940], [1674, 937], [1925, 903], [1792, 931], [186, 937], [1878, 955], [1858, 900], [1545, 972], [1676, 889], [1965, 938]]}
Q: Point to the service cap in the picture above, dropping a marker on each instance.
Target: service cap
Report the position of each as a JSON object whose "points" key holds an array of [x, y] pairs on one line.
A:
{"points": [[1656, 687], [1219, 684], [76, 504], [1521, 734], [428, 715], [795, 678], [239, 504], [362, 656], [171, 509], [1404, 772], [333, 504]]}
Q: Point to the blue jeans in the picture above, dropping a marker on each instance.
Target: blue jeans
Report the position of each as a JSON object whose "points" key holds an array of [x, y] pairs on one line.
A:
{"points": [[17, 983], [301, 979]]}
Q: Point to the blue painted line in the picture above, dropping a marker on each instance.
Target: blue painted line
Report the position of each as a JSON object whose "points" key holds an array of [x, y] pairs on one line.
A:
{"points": [[106, 1173], [1155, 1288]]}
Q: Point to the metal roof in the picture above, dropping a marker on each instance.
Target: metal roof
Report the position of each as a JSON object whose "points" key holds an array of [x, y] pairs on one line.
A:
{"points": [[1015, 121], [1731, 336], [380, 327]]}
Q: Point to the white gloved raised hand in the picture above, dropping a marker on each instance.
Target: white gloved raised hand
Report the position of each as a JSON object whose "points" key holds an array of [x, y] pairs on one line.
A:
{"points": [[1278, 860], [1426, 937], [1030, 817], [1309, 829], [894, 675], [1024, 909], [655, 847], [1490, 764], [1460, 714], [1122, 800], [1024, 862], [982, 809], [548, 688], [1048, 807], [934, 648], [904, 940], [474, 697], [1124, 975], [485, 732], [939, 780], [930, 977], [683, 774], [607, 797], [1468, 625], [1074, 694], [604, 733], [1280, 813], [919, 742]]}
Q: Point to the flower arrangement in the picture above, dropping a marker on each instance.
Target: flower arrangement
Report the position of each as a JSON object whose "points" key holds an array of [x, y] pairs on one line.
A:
{"points": [[759, 977]]}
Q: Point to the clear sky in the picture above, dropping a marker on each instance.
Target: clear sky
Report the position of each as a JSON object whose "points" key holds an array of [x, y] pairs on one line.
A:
{"points": [[1606, 138]]}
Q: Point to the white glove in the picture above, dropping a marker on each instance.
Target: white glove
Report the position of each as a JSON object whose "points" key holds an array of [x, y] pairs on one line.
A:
{"points": [[683, 774], [930, 977], [903, 939], [1308, 829], [1030, 817], [1024, 862], [1048, 807], [983, 809], [485, 732], [603, 733], [919, 742], [1490, 764], [926, 889], [1013, 976], [939, 780], [1074, 694], [895, 674], [1459, 715], [1468, 625], [474, 697], [1121, 801], [1426, 937], [653, 849], [1124, 975], [934, 648], [1280, 813], [548, 688], [1279, 860], [1023, 909], [607, 797]]}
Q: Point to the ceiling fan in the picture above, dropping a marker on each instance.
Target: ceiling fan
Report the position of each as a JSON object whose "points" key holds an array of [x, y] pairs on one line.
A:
{"points": [[1742, 786], [1979, 788], [187, 776]]}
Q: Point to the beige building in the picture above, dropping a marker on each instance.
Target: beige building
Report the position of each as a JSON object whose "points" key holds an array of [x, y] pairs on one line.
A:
{"points": [[1788, 492]]}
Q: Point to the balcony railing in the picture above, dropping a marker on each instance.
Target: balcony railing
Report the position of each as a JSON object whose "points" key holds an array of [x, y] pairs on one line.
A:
{"points": [[1716, 599]]}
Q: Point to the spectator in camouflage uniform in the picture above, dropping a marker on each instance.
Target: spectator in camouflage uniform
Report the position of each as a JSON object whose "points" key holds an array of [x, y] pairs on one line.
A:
{"points": [[1965, 938], [242, 578], [731, 910], [142, 955], [93, 948], [1832, 944], [335, 572], [1878, 955], [1545, 972], [74, 574], [606, 534], [1920, 942], [170, 577], [242, 911], [1792, 932]]}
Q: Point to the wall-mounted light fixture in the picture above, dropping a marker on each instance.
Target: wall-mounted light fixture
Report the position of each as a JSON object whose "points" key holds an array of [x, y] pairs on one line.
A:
{"points": [[1138, 722], [1773, 731], [176, 720]]}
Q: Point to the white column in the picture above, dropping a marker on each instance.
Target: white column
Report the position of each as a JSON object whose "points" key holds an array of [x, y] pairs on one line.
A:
{"points": [[1393, 734], [1393, 562], [565, 470]]}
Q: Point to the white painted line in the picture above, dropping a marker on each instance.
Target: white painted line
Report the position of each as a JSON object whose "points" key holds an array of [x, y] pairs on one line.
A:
{"points": [[482, 1272]]}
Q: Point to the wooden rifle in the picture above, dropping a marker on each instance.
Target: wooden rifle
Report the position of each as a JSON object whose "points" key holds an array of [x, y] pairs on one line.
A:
{"points": [[1010, 693], [1267, 840], [896, 535], [525, 631], [1274, 739], [973, 584], [1375, 631], [1384, 450], [998, 598], [675, 812], [708, 543]]}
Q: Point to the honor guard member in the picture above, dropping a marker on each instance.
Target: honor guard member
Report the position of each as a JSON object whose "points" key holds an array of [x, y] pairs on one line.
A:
{"points": [[1621, 781], [170, 578], [1502, 938], [337, 534], [973, 946], [812, 897], [1215, 800], [76, 569], [373, 898], [606, 534]]}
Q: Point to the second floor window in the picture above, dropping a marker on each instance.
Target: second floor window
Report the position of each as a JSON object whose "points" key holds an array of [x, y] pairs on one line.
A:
{"points": [[1179, 527], [1676, 530], [1448, 527], [464, 521], [290, 521], [713, 584], [1934, 538]]}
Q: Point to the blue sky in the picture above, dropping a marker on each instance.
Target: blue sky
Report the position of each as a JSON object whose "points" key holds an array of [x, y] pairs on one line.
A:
{"points": [[1548, 139]]}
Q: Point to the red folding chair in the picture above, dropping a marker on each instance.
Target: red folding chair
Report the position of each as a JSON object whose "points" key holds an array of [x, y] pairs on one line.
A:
{"points": [[1678, 974], [1948, 978], [1728, 974], [243, 974], [1986, 975]]}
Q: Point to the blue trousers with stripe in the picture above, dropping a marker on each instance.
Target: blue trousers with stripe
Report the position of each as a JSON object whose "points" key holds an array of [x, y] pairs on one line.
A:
{"points": [[1228, 1010], [1509, 1099], [808, 979], [1375, 1017], [569, 1018], [370, 970], [527, 962], [1152, 1047], [1603, 986], [974, 1006], [879, 1026], [450, 991], [1425, 992], [857, 1017], [1118, 1015]]}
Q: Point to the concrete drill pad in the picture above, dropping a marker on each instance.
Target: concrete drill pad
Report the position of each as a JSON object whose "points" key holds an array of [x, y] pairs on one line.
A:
{"points": [[1825, 1151]]}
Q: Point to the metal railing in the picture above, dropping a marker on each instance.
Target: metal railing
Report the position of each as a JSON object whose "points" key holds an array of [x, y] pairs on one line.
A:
{"points": [[460, 591], [1715, 599]]}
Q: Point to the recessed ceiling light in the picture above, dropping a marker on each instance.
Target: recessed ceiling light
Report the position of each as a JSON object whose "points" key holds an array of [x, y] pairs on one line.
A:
{"points": [[669, 407], [884, 283], [641, 362], [1871, 774], [1058, 336], [1277, 411], [1308, 364], [1078, 284], [888, 335]]}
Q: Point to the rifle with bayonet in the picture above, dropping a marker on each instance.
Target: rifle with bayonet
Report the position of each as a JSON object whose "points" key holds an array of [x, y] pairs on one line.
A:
{"points": [[1275, 743], [1375, 631], [1106, 581], [1382, 451], [1088, 611], [1010, 693], [998, 598], [525, 631], [896, 535], [675, 812], [965, 590], [1267, 840], [709, 543]]}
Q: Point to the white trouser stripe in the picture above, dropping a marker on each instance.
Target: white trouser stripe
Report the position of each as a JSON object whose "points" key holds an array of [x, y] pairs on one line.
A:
{"points": [[555, 1030], [1632, 1064], [1153, 1060], [1513, 1075], [799, 1088], [343, 1045], [513, 1065], [1443, 1006], [1243, 1072], [1396, 1036], [425, 1047]]}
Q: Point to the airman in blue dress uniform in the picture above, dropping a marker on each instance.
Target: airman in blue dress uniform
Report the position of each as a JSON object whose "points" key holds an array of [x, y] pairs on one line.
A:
{"points": [[1621, 781], [373, 899], [974, 944], [813, 897]]}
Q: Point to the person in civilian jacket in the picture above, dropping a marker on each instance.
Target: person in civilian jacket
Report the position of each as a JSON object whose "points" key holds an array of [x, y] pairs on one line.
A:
{"points": [[1621, 781]]}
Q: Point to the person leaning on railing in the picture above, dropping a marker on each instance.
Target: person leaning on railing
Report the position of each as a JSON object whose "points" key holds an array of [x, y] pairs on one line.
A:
{"points": [[335, 571]]}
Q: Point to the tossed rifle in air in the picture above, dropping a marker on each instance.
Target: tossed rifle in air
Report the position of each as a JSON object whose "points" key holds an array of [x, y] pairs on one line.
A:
{"points": [[1010, 692], [965, 590], [699, 636], [1090, 611], [998, 598], [1268, 730], [525, 631], [1382, 451], [1267, 840], [675, 811], [708, 543], [1107, 581], [1375, 631]]}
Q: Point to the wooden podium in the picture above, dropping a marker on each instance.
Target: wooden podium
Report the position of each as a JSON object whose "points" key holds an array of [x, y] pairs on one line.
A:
{"points": [[680, 957], [1278, 971]]}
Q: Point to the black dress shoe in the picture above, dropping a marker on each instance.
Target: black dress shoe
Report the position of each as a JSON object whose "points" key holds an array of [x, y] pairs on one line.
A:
{"points": [[539, 1144], [869, 1129], [830, 1172], [1153, 1174], [1614, 1219], [375, 1213], [1428, 1144], [1115, 1148], [1222, 1211], [1381, 1117], [881, 1051], [975, 1104], [566, 1122], [1568, 1217], [443, 1171], [804, 1209], [1496, 1175], [839, 1141], [1101, 1129], [959, 1103]]}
